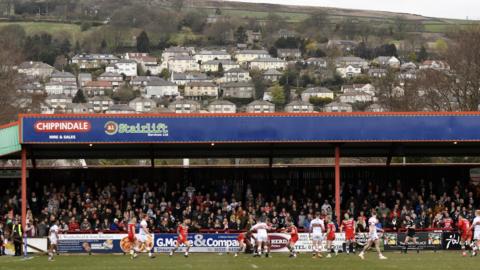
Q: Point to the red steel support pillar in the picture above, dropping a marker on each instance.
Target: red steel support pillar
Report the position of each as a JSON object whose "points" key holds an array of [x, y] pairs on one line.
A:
{"points": [[337, 183], [24, 187]]}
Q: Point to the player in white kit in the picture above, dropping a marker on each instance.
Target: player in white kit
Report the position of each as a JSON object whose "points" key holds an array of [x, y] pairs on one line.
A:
{"points": [[476, 233], [144, 234], [373, 237], [262, 236], [53, 237], [317, 227]]}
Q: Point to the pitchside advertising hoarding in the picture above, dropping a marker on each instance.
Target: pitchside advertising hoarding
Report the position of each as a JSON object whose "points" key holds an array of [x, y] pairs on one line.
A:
{"points": [[246, 128], [161, 243], [425, 241]]}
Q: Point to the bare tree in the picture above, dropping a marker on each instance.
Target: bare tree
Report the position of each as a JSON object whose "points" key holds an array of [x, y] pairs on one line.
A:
{"points": [[10, 56]]}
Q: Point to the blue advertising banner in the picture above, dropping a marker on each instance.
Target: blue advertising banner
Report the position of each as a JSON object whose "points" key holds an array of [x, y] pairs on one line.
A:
{"points": [[249, 128], [214, 242]]}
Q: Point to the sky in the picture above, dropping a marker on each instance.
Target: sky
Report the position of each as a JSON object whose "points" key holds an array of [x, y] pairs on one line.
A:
{"points": [[459, 9]]}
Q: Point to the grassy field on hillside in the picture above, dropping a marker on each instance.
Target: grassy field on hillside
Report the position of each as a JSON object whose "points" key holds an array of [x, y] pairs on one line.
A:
{"points": [[411, 261]]}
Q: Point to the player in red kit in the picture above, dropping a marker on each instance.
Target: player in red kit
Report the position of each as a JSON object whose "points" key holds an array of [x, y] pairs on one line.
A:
{"points": [[244, 241], [331, 229], [466, 236], [131, 237], [292, 229], [182, 238], [348, 226], [447, 222]]}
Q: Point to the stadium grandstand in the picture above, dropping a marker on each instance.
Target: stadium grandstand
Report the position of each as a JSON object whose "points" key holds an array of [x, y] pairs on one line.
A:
{"points": [[232, 199]]}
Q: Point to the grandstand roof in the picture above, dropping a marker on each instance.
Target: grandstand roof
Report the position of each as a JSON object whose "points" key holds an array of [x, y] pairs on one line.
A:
{"points": [[242, 135]]}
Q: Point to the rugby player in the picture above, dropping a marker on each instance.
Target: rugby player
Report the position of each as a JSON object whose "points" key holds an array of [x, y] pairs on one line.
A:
{"points": [[373, 238]]}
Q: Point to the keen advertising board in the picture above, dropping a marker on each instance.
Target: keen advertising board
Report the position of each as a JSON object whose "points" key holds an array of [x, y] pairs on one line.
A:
{"points": [[208, 128]]}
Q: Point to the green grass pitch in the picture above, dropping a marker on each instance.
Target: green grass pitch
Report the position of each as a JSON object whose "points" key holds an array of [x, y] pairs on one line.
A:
{"points": [[411, 261]]}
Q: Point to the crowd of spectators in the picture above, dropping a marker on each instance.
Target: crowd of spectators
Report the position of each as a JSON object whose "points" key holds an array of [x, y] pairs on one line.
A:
{"points": [[92, 206]]}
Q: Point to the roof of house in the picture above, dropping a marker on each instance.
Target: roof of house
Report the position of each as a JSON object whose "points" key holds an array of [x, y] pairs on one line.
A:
{"points": [[110, 74], [269, 59], [236, 84], [100, 98], [200, 84], [236, 70], [299, 102], [103, 84], [34, 64], [185, 101], [57, 96], [222, 102], [212, 52], [251, 52], [79, 106], [223, 62], [189, 76], [260, 102], [62, 74], [120, 107], [160, 82]]}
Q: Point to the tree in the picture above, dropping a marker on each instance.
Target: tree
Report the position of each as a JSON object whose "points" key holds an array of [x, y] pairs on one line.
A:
{"points": [[241, 35], [10, 56], [165, 74], [178, 5], [124, 94], [218, 11], [220, 69], [143, 42], [79, 97], [278, 94], [103, 46], [422, 54]]}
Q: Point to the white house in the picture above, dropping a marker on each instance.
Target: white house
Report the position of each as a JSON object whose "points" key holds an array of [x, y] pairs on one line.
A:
{"points": [[210, 55], [349, 71], [244, 56], [353, 88], [63, 77], [183, 64], [238, 89], [289, 53], [146, 61], [235, 75], [172, 52], [338, 107], [351, 61], [97, 88], [93, 61], [142, 104], [180, 78], [317, 61], [115, 78], [222, 106], [317, 92], [58, 102], [65, 88], [35, 69], [161, 88], [197, 90], [100, 103], [84, 78], [213, 65], [435, 64], [140, 82], [299, 106], [267, 63], [260, 106], [375, 107], [377, 72], [272, 75], [184, 106], [387, 61], [354, 97], [125, 66]]}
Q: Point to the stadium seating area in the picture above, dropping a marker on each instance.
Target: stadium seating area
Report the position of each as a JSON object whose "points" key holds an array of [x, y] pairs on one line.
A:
{"points": [[105, 206]]}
